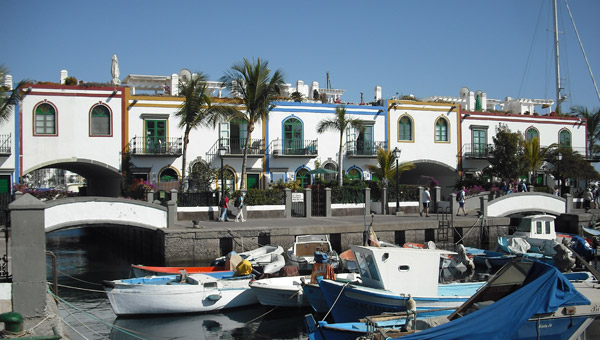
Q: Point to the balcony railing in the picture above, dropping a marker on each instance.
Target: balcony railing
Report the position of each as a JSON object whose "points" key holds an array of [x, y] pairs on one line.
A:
{"points": [[5, 144], [364, 148], [292, 148], [476, 150], [156, 147]]}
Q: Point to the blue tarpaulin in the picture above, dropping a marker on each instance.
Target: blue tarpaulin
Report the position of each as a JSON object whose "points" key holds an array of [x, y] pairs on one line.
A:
{"points": [[545, 290]]}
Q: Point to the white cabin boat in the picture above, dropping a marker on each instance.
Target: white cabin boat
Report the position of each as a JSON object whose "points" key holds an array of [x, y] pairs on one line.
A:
{"points": [[267, 259], [178, 294], [302, 252]]}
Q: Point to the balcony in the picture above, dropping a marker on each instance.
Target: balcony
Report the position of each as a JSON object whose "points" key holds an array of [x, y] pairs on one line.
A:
{"points": [[364, 149], [172, 147], [476, 151], [234, 147], [294, 148], [5, 145]]}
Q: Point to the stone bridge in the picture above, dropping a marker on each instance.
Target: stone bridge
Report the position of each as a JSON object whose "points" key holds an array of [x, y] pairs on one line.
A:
{"points": [[525, 202]]}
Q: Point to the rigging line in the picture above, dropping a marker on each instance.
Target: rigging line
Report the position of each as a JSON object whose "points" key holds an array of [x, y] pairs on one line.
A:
{"points": [[530, 50], [336, 300], [73, 328], [583, 50], [83, 324], [91, 315], [78, 288], [262, 315], [74, 278]]}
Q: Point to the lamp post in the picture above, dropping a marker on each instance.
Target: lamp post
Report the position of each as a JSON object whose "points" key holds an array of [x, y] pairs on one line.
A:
{"points": [[222, 151], [559, 158], [396, 153]]}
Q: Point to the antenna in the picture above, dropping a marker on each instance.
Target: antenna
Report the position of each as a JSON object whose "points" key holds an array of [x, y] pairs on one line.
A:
{"points": [[185, 75]]}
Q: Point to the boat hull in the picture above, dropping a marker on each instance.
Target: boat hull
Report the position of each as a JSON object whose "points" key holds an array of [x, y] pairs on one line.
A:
{"points": [[140, 270], [168, 298], [352, 302], [281, 291]]}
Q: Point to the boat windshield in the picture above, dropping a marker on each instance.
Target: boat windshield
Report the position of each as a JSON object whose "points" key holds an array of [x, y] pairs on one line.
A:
{"points": [[367, 266]]}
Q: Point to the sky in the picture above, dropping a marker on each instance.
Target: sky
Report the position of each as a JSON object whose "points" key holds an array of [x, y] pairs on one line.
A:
{"points": [[425, 48]]}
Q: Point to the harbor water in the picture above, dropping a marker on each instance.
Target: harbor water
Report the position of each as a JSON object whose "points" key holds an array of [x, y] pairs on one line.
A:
{"points": [[84, 259]]}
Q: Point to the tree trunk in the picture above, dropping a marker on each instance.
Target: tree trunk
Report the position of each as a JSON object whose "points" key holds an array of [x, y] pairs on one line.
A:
{"points": [[245, 159], [186, 140], [340, 169]]}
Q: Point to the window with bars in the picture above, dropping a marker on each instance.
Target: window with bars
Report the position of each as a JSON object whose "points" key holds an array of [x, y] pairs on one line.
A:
{"points": [[441, 130], [405, 129]]}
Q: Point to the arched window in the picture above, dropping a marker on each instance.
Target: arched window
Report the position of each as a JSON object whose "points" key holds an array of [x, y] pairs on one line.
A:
{"points": [[441, 130], [45, 119], [564, 139], [293, 142], [100, 121], [355, 173], [168, 175], [229, 179], [330, 166], [405, 128], [531, 133]]}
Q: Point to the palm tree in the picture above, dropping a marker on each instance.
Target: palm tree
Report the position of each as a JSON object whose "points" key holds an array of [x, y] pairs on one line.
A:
{"points": [[7, 99], [195, 111], [533, 155], [593, 126], [340, 123], [254, 84], [385, 169]]}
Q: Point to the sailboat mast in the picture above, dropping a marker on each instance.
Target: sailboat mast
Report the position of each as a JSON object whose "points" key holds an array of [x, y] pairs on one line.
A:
{"points": [[557, 60]]}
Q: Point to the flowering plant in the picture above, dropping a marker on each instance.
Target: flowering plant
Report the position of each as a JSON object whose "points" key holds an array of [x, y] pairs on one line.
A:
{"points": [[431, 181]]}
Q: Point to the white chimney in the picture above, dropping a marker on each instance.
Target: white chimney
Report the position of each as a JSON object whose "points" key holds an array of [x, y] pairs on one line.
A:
{"points": [[63, 75], [377, 93]]}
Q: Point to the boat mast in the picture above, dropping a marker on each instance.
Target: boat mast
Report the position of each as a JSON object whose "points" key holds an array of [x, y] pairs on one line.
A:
{"points": [[559, 99]]}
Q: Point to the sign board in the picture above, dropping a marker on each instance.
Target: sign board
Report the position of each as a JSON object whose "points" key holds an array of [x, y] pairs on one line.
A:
{"points": [[297, 197]]}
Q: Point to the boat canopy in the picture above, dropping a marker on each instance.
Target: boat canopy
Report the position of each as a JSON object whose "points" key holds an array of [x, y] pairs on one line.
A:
{"points": [[544, 290]]}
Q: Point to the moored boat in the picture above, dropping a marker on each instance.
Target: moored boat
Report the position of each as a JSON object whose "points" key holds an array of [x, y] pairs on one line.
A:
{"points": [[141, 270], [264, 259], [389, 276], [179, 293], [302, 252]]}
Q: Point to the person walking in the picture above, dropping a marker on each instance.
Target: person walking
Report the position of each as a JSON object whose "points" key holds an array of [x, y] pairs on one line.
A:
{"points": [[239, 204], [426, 201], [587, 199], [223, 204], [461, 201]]}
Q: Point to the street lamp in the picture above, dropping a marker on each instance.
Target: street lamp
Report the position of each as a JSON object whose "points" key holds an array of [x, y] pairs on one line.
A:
{"points": [[559, 158], [396, 153], [222, 151]]}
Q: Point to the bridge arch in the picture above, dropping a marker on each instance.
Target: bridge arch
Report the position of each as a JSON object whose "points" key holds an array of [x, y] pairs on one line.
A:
{"points": [[102, 179], [534, 202], [88, 211]]}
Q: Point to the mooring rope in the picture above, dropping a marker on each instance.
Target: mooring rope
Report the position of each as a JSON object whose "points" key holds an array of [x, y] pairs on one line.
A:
{"points": [[336, 300]]}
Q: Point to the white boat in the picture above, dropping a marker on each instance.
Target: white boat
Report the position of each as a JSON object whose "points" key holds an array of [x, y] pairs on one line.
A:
{"points": [[288, 291], [302, 252], [264, 259], [178, 294], [390, 278]]}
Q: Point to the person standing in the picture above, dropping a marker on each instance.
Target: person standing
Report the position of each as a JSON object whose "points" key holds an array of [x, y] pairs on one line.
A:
{"points": [[461, 201], [239, 204], [426, 201], [523, 186], [223, 205]]}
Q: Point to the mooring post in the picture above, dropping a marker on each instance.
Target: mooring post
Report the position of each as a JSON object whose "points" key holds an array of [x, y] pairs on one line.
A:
{"points": [[28, 246]]}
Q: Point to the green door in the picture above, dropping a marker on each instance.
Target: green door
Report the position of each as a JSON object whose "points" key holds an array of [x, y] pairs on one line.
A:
{"points": [[479, 143], [292, 136], [252, 181], [156, 136], [4, 184]]}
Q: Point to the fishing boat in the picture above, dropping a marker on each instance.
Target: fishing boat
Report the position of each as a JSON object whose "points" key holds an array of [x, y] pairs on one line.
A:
{"points": [[267, 259], [186, 293], [524, 300], [302, 252], [292, 291], [139, 270], [389, 276]]}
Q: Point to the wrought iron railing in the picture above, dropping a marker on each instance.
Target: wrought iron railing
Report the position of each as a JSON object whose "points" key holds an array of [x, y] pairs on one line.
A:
{"points": [[5, 144], [364, 148], [476, 150], [288, 147], [167, 146]]}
